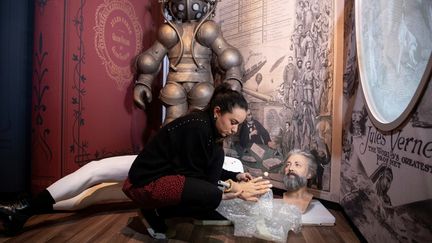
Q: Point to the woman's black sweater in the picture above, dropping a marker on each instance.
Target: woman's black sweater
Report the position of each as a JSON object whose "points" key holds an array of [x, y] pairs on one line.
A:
{"points": [[187, 146]]}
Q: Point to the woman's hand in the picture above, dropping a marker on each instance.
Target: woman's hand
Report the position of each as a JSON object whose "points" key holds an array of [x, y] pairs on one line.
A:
{"points": [[254, 188], [250, 190], [244, 177], [230, 195]]}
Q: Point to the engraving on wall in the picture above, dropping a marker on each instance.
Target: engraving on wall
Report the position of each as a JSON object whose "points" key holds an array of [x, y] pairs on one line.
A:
{"points": [[288, 54], [118, 39], [39, 130]]}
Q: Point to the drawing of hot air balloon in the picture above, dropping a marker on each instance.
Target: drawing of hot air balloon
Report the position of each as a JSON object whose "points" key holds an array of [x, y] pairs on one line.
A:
{"points": [[258, 79]]}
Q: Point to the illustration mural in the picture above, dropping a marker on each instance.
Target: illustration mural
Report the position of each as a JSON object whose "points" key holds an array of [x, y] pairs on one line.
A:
{"points": [[288, 51], [385, 176]]}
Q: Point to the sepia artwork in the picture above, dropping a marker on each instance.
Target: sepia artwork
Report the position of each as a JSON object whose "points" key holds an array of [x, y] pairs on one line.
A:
{"points": [[288, 51], [386, 178], [394, 51]]}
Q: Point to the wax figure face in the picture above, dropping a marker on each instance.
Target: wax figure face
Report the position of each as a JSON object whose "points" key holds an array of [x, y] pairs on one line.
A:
{"points": [[227, 123], [296, 172]]}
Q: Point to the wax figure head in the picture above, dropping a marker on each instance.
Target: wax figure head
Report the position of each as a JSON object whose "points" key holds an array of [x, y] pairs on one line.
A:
{"points": [[300, 167], [229, 109]]}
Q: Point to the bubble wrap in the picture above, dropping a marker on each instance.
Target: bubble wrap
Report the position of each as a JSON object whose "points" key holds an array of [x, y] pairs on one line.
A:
{"points": [[266, 219]]}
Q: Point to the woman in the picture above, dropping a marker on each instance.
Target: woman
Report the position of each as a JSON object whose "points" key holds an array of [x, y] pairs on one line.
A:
{"points": [[68, 192], [178, 172]]}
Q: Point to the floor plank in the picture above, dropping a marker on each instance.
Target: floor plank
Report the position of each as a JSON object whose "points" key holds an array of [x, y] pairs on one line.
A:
{"points": [[121, 224]]}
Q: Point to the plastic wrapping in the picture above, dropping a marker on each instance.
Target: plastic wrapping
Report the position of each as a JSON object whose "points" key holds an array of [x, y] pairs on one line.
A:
{"points": [[266, 219]]}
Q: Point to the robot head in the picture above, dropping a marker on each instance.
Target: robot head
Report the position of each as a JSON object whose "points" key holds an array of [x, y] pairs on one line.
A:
{"points": [[186, 10]]}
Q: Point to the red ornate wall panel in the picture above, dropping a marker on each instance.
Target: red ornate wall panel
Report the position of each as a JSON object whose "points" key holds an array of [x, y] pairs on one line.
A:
{"points": [[82, 83]]}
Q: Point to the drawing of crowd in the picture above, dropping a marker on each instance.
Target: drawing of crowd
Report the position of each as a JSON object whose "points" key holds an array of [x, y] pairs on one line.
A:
{"points": [[307, 77], [298, 112]]}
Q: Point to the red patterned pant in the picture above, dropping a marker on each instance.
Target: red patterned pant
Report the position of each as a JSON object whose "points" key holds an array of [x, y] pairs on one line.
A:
{"points": [[183, 195], [165, 191]]}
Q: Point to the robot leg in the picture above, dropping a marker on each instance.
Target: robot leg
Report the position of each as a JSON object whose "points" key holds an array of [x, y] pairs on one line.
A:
{"points": [[173, 95], [200, 95]]}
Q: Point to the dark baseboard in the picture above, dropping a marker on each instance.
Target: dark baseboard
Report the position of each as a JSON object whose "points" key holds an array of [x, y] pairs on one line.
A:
{"points": [[8, 196]]}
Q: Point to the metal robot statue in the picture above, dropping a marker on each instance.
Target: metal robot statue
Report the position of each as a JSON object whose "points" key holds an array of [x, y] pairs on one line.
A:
{"points": [[190, 39]]}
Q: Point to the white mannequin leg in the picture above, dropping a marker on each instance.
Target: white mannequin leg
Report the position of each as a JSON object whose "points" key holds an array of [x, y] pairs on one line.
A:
{"points": [[101, 181], [113, 169], [107, 192]]}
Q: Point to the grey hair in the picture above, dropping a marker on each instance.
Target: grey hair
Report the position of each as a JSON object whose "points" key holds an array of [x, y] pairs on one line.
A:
{"points": [[311, 159]]}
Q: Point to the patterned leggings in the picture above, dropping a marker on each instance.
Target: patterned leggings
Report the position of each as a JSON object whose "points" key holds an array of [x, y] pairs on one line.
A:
{"points": [[175, 195]]}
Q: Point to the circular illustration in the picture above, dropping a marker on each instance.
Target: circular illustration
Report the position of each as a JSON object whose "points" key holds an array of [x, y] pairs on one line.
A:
{"points": [[394, 49]]}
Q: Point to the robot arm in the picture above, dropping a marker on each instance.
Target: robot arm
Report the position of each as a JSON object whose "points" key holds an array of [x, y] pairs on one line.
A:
{"points": [[149, 64], [229, 58]]}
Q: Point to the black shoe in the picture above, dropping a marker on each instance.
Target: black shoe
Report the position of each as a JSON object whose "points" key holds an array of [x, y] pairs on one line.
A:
{"points": [[155, 224], [14, 215], [211, 218]]}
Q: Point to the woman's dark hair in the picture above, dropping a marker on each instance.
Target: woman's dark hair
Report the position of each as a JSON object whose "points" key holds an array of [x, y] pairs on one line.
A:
{"points": [[226, 99]]}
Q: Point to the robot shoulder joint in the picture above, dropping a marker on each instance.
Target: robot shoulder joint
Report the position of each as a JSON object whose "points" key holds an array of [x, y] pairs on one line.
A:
{"points": [[208, 33], [167, 36]]}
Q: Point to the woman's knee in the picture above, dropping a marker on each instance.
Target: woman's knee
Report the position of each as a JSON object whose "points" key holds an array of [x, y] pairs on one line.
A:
{"points": [[200, 192]]}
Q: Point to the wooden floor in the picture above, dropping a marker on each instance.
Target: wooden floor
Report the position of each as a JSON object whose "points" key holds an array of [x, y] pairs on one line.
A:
{"points": [[121, 224]]}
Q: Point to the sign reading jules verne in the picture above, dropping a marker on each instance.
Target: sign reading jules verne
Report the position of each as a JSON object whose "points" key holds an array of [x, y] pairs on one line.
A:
{"points": [[399, 163], [118, 39]]}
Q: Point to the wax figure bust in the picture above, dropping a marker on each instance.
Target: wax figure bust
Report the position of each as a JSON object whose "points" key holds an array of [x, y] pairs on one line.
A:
{"points": [[300, 167]]}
